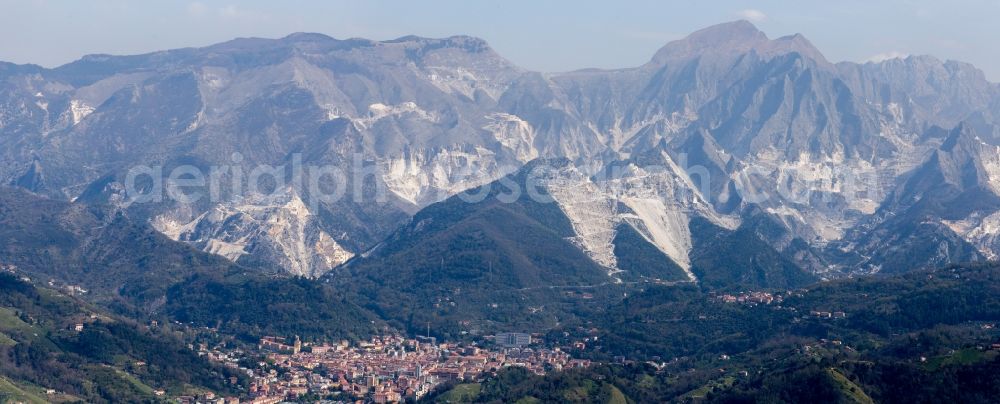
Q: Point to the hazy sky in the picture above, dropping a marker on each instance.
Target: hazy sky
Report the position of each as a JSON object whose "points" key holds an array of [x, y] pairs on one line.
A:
{"points": [[535, 34]]}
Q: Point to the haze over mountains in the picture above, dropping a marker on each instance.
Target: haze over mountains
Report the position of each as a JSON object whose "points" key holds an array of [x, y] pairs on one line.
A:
{"points": [[723, 140]]}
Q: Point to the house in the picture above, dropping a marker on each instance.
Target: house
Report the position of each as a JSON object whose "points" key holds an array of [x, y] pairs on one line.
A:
{"points": [[298, 391], [513, 339], [277, 344], [268, 400]]}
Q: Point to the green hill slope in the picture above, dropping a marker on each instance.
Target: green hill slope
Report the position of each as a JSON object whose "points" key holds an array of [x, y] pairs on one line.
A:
{"points": [[498, 261], [63, 344]]}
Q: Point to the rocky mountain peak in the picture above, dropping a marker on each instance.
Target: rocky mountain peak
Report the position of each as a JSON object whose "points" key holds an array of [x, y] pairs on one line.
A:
{"points": [[962, 136], [463, 42], [963, 160], [440, 115], [735, 37], [732, 35], [800, 44], [740, 31], [927, 64], [307, 37]]}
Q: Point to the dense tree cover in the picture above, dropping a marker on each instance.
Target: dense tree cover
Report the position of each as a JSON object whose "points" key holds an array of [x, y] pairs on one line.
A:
{"points": [[251, 306], [466, 269], [110, 360], [919, 337], [96, 247], [965, 375], [519, 385], [905, 382], [633, 383], [681, 321], [741, 258], [496, 263], [638, 257], [780, 372], [916, 300], [684, 321]]}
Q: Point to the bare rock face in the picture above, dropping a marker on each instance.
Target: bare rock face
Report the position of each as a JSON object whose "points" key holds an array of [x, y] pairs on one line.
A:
{"points": [[724, 126], [277, 229]]}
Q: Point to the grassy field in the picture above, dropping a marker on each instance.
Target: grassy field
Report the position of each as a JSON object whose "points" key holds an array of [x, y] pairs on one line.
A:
{"points": [[139, 385], [11, 324], [702, 391], [10, 392], [851, 390], [960, 357], [6, 340], [462, 393], [10, 321]]}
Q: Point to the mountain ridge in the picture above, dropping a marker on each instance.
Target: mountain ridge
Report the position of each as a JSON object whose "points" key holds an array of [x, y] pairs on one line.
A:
{"points": [[730, 108]]}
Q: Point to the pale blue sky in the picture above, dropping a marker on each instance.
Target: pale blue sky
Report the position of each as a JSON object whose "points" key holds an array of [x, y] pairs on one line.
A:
{"points": [[538, 34]]}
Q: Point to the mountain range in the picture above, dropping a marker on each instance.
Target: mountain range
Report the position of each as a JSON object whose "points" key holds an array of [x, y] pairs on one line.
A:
{"points": [[728, 159]]}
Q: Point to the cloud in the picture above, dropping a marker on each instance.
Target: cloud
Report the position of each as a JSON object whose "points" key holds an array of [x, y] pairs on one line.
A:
{"points": [[197, 9], [231, 11], [881, 57], [752, 15]]}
